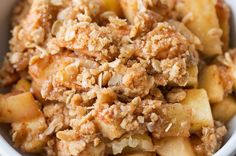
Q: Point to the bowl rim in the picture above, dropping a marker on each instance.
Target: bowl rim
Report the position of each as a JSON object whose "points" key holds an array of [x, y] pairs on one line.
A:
{"points": [[6, 149], [228, 149]]}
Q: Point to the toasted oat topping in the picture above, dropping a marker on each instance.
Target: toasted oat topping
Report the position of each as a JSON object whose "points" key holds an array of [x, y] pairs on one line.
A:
{"points": [[102, 79]]}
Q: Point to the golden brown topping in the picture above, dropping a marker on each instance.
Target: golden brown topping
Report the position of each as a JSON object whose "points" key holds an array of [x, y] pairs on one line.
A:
{"points": [[110, 76]]}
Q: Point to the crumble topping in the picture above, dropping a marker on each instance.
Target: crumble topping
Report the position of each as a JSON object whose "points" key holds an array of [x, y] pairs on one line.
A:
{"points": [[107, 83]]}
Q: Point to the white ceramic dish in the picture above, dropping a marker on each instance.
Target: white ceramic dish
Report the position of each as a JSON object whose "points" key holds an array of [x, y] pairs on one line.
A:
{"points": [[229, 148]]}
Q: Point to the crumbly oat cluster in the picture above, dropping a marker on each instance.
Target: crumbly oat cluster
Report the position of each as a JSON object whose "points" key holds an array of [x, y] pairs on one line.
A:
{"points": [[110, 80]]}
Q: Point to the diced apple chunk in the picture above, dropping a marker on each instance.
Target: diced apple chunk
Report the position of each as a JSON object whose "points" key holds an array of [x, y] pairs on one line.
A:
{"points": [[18, 108], [197, 101], [193, 76], [22, 85], [130, 9], [130, 143], [210, 80], [175, 121], [113, 5], [225, 110], [174, 146], [109, 128], [198, 12], [223, 13]]}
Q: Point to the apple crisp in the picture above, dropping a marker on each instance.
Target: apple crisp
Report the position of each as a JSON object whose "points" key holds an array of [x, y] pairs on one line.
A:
{"points": [[119, 77]]}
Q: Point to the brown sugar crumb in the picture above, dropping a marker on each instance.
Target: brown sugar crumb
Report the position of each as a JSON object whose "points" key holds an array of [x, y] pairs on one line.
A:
{"points": [[226, 69], [163, 38], [211, 139]]}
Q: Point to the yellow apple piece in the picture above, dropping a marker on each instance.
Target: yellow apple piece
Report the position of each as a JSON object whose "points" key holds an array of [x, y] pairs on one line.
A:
{"points": [[197, 101], [130, 143], [209, 79], [130, 9], [174, 146], [22, 85], [193, 76], [175, 121], [224, 110], [18, 108], [109, 128], [204, 23], [223, 13], [113, 5]]}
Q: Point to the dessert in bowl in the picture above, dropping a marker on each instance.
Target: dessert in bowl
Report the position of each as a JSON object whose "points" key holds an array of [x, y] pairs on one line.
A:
{"points": [[107, 77]]}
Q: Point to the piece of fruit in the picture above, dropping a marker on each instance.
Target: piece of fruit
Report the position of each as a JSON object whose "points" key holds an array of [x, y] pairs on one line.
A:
{"points": [[197, 101], [22, 85], [18, 108], [224, 110], [113, 5], [209, 79], [174, 146], [130, 143], [198, 12]]}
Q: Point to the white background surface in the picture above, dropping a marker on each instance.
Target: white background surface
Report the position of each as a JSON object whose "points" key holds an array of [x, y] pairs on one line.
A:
{"points": [[7, 150]]}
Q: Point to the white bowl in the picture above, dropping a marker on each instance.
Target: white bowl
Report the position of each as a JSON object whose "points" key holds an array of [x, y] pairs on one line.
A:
{"points": [[229, 148]]}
